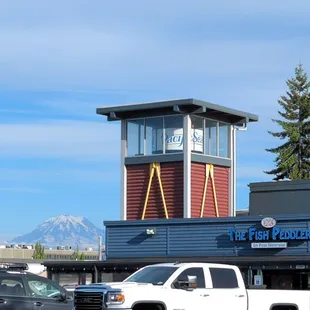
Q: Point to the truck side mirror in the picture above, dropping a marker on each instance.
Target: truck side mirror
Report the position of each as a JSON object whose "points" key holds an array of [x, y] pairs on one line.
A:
{"points": [[189, 284]]}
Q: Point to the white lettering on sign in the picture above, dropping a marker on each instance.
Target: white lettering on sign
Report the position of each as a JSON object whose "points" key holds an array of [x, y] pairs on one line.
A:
{"points": [[269, 245]]}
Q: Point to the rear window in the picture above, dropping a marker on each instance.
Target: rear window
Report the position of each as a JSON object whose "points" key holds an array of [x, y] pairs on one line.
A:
{"points": [[223, 278]]}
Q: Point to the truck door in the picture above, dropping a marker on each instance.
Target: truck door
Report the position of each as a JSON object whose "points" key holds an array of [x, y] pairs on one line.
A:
{"points": [[226, 291], [196, 299], [45, 294]]}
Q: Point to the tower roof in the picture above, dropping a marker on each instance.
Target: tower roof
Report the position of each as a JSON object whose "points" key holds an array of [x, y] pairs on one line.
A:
{"points": [[177, 106]]}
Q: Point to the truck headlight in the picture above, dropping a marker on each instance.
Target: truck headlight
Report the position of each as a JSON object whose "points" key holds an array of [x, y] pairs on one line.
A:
{"points": [[116, 298]]}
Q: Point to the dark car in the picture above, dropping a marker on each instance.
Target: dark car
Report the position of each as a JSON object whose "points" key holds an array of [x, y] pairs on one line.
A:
{"points": [[21, 290]]}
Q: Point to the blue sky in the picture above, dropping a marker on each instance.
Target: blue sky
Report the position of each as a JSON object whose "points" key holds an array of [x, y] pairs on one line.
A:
{"points": [[59, 61]]}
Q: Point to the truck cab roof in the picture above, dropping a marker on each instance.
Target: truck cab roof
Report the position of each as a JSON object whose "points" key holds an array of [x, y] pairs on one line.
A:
{"points": [[192, 264]]}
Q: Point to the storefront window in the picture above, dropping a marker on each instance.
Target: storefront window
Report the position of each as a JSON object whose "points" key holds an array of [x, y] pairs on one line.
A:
{"points": [[135, 137], [174, 134], [223, 140], [197, 134], [210, 137], [154, 135]]}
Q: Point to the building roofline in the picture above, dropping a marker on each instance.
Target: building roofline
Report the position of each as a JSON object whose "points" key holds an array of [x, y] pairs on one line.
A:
{"points": [[176, 106], [134, 262], [280, 185], [215, 220]]}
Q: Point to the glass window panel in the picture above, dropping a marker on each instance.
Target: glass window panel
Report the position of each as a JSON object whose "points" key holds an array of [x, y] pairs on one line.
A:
{"points": [[154, 135], [135, 137], [223, 140], [210, 138], [174, 134], [197, 134]]}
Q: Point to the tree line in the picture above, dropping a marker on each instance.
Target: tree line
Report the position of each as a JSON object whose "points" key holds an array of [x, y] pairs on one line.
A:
{"points": [[38, 253]]}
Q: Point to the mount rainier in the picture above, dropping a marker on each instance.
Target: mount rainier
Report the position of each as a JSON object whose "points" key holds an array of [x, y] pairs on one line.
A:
{"points": [[64, 230]]}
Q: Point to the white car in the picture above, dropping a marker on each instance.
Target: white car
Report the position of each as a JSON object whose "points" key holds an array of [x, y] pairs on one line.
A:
{"points": [[186, 286]]}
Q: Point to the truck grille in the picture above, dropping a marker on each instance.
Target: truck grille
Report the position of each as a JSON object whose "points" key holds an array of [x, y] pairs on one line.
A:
{"points": [[88, 300]]}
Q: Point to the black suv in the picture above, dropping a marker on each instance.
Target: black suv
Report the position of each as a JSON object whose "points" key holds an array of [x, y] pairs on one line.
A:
{"points": [[21, 290]]}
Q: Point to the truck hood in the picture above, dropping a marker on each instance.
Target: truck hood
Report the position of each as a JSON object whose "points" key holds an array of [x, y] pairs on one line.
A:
{"points": [[107, 286]]}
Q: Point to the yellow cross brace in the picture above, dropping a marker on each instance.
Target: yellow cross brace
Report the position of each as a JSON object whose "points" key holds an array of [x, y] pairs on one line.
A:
{"points": [[209, 171], [155, 167]]}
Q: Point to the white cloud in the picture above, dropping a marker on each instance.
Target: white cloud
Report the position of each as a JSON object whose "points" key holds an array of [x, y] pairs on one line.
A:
{"points": [[80, 140]]}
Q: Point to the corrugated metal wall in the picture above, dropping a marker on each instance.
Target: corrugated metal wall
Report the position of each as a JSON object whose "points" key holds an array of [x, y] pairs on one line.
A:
{"points": [[194, 238], [221, 176], [137, 182]]}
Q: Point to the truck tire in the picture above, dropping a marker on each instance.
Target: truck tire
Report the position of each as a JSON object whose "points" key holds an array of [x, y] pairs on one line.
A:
{"points": [[149, 306], [284, 307]]}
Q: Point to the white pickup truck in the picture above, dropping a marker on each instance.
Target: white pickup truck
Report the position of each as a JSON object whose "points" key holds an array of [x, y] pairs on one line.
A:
{"points": [[186, 286]]}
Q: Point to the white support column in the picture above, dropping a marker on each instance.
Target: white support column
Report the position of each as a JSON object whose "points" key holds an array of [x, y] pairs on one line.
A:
{"points": [[123, 189], [233, 177], [187, 125]]}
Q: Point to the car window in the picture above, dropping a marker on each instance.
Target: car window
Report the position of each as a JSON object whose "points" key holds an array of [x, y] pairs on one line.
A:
{"points": [[43, 288], [198, 272], [223, 278], [11, 286]]}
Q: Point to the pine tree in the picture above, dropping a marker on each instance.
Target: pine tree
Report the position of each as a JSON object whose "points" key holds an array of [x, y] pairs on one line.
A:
{"points": [[293, 156], [38, 251]]}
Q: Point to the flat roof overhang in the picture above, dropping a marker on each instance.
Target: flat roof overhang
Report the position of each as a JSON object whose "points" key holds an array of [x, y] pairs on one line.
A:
{"points": [[133, 263], [174, 107]]}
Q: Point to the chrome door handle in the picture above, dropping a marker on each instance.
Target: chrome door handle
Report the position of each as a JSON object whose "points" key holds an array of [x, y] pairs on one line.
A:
{"points": [[240, 295], [204, 295]]}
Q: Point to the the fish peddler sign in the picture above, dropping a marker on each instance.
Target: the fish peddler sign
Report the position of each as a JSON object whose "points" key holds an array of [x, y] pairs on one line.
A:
{"points": [[270, 232]]}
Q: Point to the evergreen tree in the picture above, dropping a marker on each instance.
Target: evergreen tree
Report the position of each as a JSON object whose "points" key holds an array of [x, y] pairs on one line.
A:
{"points": [[38, 251], [293, 156]]}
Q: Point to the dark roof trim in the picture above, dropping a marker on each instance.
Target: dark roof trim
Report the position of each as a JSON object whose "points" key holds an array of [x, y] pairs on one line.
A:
{"points": [[193, 221], [280, 185], [176, 107], [132, 262]]}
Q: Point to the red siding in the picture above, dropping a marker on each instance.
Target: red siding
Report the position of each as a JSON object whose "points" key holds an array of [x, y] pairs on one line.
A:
{"points": [[137, 182], [221, 177]]}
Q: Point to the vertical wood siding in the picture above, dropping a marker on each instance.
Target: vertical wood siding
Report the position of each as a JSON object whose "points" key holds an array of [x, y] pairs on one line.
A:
{"points": [[221, 177], [137, 182]]}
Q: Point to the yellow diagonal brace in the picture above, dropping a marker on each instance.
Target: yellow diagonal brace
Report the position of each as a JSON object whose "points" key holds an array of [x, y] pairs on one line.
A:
{"points": [[152, 170], [205, 191], [161, 190], [209, 171], [214, 191], [155, 167]]}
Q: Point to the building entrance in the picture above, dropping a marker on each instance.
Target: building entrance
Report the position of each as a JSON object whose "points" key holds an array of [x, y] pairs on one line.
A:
{"points": [[287, 280]]}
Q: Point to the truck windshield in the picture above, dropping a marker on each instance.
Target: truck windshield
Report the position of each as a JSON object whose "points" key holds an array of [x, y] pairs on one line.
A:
{"points": [[153, 275]]}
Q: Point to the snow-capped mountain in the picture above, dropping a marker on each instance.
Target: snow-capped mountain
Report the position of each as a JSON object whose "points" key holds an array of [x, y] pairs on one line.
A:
{"points": [[64, 230]]}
